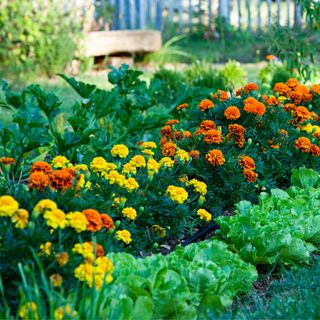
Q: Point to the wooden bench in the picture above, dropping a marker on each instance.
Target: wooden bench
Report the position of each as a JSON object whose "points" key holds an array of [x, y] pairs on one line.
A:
{"points": [[104, 43]]}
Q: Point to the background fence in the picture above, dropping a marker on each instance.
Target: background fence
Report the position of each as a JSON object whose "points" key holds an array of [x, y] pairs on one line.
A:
{"points": [[191, 15]]}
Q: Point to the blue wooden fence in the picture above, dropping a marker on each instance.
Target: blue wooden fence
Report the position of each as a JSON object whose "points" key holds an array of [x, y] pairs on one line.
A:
{"points": [[188, 15]]}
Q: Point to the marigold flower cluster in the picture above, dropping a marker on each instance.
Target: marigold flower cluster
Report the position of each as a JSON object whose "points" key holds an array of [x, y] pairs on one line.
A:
{"points": [[9, 207], [248, 165], [294, 91], [97, 269], [42, 175]]}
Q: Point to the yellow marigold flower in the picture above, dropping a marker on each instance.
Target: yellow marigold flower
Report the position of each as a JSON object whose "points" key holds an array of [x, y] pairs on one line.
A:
{"points": [[85, 272], [64, 313], [60, 162], [120, 150], [152, 166], [199, 186], [159, 230], [114, 177], [86, 249], [128, 168], [166, 162], [118, 200], [8, 206], [129, 213], [99, 165], [29, 311], [148, 145], [95, 274], [46, 249], [43, 206], [56, 280], [182, 155], [62, 258], [131, 184], [184, 178], [177, 194], [124, 235], [77, 220], [55, 219], [81, 182], [307, 128], [20, 218], [80, 167], [148, 152], [138, 161], [204, 215]]}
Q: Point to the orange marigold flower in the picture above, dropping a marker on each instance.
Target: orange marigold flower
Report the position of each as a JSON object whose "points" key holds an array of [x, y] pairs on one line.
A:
{"points": [[281, 88], [271, 57], [250, 175], [62, 258], [41, 166], [247, 163], [223, 95], [250, 87], [194, 154], [94, 219], [166, 131], [232, 113], [314, 116], [169, 149], [315, 150], [205, 104], [172, 122], [301, 94], [283, 132], [163, 140], [289, 107], [236, 128], [182, 106], [107, 221], [271, 101], [315, 89], [215, 157], [301, 114], [178, 135], [303, 144], [187, 134], [62, 179], [205, 126], [38, 180], [292, 83], [251, 105], [7, 160], [212, 136]]}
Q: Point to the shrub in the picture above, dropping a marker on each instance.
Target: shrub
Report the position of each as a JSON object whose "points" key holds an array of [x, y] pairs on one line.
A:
{"points": [[41, 36]]}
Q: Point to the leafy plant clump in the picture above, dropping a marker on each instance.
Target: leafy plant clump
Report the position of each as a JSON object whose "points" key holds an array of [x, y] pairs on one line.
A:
{"points": [[283, 228]]}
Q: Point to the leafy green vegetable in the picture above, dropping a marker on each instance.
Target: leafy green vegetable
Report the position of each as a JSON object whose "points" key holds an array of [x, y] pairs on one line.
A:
{"points": [[284, 227]]}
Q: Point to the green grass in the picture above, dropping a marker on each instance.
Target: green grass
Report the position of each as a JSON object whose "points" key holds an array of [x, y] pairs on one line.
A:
{"points": [[294, 296]]}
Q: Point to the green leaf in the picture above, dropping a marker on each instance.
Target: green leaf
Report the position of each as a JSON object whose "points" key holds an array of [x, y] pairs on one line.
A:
{"points": [[85, 90], [304, 177]]}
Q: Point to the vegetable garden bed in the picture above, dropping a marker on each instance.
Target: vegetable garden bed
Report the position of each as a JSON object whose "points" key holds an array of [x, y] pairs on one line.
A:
{"points": [[83, 198]]}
